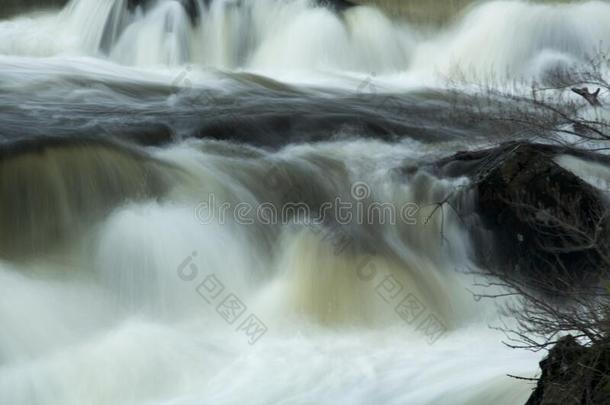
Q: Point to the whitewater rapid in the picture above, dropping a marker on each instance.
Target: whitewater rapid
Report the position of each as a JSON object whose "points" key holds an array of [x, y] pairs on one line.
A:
{"points": [[116, 314], [114, 263], [500, 39]]}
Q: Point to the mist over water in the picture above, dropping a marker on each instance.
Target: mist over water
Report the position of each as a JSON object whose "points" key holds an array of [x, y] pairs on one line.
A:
{"points": [[121, 283]]}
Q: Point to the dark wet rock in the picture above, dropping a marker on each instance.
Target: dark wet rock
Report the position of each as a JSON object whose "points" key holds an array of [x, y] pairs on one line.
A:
{"points": [[146, 135], [15, 7], [277, 130], [193, 10], [535, 211], [190, 6], [338, 5], [282, 120], [574, 375]]}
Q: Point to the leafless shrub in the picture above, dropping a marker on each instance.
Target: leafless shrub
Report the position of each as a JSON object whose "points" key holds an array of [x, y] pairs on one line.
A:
{"points": [[564, 107], [541, 308]]}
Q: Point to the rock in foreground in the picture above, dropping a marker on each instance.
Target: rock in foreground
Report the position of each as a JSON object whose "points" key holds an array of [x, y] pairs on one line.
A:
{"points": [[574, 375]]}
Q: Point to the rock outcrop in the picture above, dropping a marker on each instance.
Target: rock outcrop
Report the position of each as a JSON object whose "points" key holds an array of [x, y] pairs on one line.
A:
{"points": [[574, 375], [543, 217]]}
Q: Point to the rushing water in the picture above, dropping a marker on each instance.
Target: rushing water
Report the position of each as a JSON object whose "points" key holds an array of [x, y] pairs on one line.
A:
{"points": [[118, 261]]}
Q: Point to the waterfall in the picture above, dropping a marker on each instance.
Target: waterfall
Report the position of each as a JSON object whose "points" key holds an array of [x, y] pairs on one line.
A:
{"points": [[234, 201], [499, 37], [136, 266]]}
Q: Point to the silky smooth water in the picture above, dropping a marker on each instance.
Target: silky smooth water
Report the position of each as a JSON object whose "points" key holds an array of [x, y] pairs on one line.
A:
{"points": [[120, 262]]}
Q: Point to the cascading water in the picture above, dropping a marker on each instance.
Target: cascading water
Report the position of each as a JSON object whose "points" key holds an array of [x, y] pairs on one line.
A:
{"points": [[162, 274], [502, 37], [148, 333]]}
